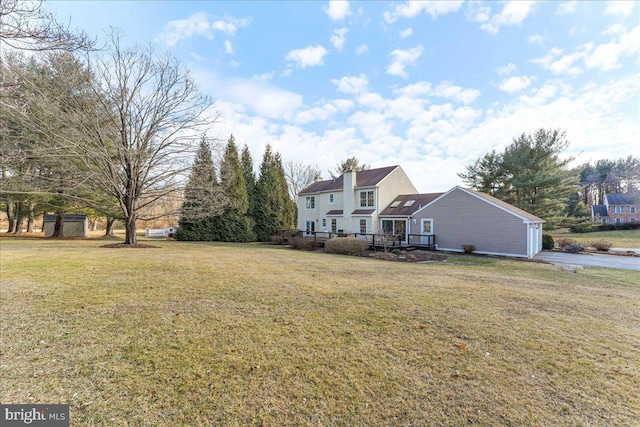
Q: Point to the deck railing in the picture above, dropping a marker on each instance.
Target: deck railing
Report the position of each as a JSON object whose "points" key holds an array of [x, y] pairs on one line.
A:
{"points": [[380, 241]]}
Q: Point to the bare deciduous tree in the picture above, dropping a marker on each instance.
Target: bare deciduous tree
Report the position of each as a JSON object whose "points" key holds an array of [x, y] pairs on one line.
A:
{"points": [[299, 175], [26, 25], [154, 115]]}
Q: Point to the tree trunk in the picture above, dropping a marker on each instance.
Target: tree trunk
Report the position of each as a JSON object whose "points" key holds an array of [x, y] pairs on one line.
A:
{"points": [[109, 230], [11, 216], [31, 223], [58, 229], [130, 228], [19, 218]]}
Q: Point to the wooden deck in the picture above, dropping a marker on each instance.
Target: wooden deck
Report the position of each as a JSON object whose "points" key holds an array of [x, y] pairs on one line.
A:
{"points": [[380, 242]]}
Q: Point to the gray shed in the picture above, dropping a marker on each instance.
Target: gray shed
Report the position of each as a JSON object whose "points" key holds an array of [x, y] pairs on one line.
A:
{"points": [[73, 225]]}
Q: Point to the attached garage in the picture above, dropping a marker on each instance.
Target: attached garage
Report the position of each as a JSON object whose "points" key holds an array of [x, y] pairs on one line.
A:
{"points": [[466, 217]]}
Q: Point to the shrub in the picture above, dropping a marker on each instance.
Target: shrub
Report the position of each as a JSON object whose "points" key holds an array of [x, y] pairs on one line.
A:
{"points": [[467, 249], [601, 245], [305, 243], [396, 252], [562, 242], [547, 241], [347, 246], [573, 248]]}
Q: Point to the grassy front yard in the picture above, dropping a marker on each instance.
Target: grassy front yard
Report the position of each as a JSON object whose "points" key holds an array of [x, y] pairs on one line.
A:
{"points": [[619, 238], [193, 334]]}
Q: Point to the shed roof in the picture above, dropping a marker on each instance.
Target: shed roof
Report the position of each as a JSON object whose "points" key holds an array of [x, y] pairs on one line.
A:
{"points": [[66, 218], [365, 178], [402, 206]]}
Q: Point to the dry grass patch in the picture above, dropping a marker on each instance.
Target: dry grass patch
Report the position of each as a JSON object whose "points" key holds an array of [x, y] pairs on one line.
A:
{"points": [[223, 334]]}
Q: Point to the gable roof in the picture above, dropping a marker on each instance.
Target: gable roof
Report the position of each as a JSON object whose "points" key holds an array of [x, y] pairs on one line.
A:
{"points": [[506, 206], [599, 210], [365, 178], [621, 199], [419, 200], [526, 216]]}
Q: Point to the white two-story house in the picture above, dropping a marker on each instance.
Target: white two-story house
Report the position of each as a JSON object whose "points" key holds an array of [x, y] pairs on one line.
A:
{"points": [[352, 202]]}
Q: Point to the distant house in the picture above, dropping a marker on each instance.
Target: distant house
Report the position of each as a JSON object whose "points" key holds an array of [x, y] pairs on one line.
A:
{"points": [[445, 221], [72, 226], [617, 209], [352, 202]]}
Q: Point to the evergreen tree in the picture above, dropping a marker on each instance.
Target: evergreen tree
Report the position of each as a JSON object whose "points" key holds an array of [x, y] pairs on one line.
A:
{"points": [[203, 199], [250, 182], [529, 174], [274, 208], [234, 224]]}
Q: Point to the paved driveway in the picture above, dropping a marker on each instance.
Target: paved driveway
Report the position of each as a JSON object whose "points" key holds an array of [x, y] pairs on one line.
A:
{"points": [[590, 260]]}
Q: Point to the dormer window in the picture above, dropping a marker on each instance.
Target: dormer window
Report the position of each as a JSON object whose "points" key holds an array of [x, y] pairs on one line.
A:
{"points": [[366, 199]]}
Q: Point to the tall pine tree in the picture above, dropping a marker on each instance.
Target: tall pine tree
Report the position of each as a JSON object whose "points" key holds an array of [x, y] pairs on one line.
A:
{"points": [[234, 224], [529, 174], [274, 209], [203, 199]]}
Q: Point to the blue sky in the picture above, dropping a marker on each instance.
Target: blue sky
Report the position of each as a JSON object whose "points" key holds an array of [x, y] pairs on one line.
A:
{"points": [[430, 86]]}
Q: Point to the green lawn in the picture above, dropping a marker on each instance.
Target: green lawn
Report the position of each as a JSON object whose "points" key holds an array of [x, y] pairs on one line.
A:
{"points": [[619, 238], [197, 334]]}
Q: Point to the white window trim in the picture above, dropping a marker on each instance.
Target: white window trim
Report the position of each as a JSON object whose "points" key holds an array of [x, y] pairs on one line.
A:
{"points": [[422, 221], [373, 198], [331, 198], [307, 200]]}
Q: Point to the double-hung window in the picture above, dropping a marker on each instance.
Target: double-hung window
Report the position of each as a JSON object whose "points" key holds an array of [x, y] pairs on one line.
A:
{"points": [[367, 199], [311, 202]]}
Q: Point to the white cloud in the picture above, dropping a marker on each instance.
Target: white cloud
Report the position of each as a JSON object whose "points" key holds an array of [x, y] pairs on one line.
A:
{"points": [[338, 10], [619, 7], [411, 9], [268, 101], [513, 13], [415, 89], [514, 84], [338, 38], [228, 48], [198, 24], [535, 39], [446, 89], [363, 48], [310, 56], [406, 33], [566, 8], [229, 26], [604, 57], [403, 58], [507, 69], [351, 84], [372, 100], [614, 29]]}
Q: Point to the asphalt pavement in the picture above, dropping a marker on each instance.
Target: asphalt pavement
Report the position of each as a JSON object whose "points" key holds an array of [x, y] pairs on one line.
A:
{"points": [[590, 260]]}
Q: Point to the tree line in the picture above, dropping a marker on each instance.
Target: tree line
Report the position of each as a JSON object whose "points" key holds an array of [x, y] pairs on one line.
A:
{"points": [[232, 204], [531, 174], [112, 132]]}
